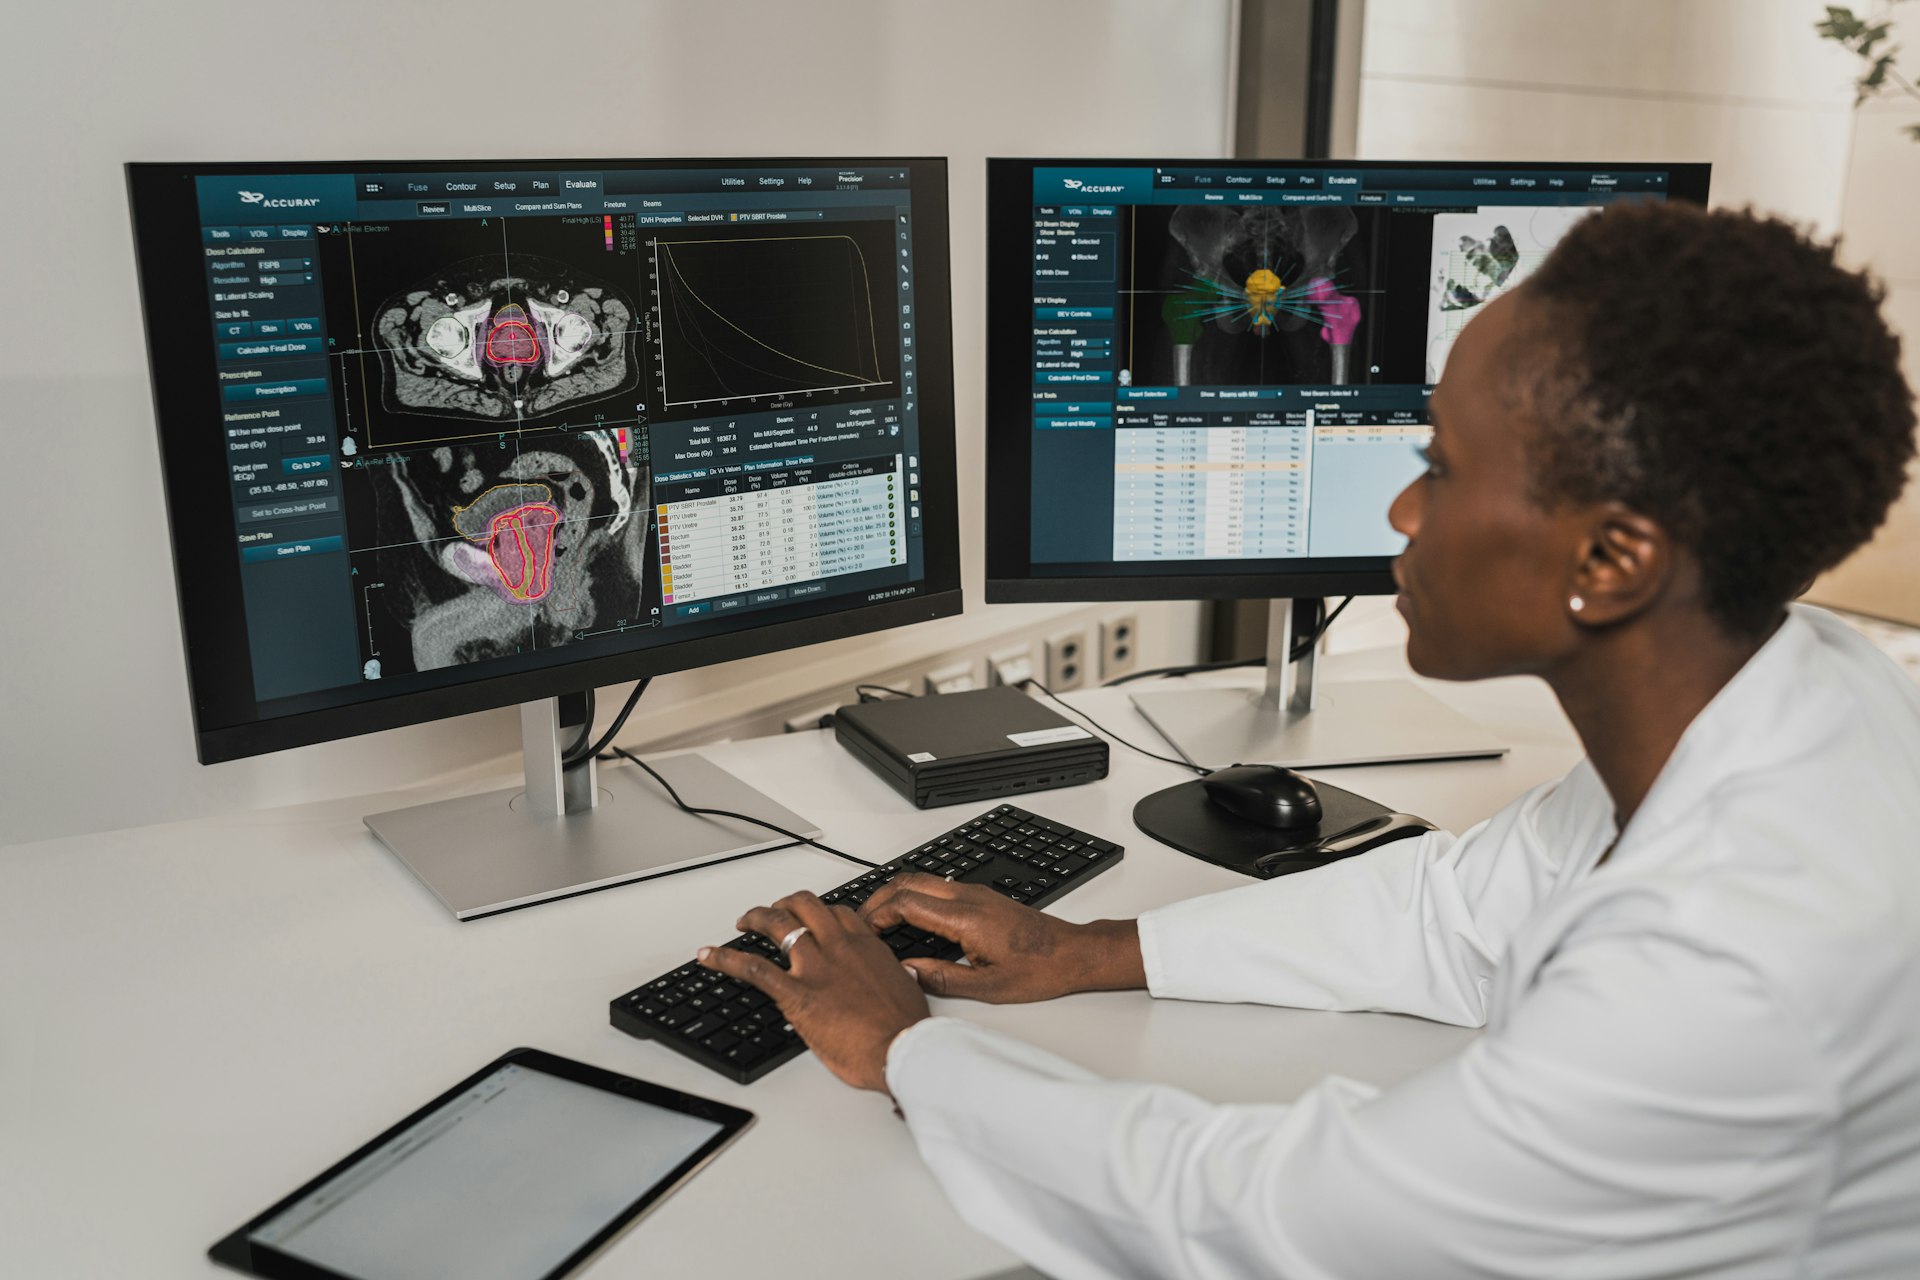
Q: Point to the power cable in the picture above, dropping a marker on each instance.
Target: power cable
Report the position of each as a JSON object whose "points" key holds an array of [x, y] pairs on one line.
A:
{"points": [[1301, 647], [574, 761], [1112, 736], [794, 836]]}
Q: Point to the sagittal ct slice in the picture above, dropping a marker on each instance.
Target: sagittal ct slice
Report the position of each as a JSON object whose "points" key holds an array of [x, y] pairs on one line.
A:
{"points": [[482, 552], [505, 339], [515, 524]]}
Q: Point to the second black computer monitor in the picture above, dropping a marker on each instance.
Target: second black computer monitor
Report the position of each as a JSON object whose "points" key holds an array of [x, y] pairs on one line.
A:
{"points": [[1208, 378]]}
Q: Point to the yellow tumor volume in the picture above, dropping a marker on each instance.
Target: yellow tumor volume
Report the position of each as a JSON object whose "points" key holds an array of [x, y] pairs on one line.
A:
{"points": [[1263, 288]]}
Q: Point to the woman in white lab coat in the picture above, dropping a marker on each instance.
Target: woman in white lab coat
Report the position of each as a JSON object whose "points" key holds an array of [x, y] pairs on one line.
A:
{"points": [[1696, 957]]}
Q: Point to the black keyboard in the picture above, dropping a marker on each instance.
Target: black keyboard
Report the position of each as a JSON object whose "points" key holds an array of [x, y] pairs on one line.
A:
{"points": [[736, 1030]]}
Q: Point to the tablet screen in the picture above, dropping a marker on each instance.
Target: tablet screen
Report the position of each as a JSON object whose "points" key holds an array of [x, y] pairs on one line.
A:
{"points": [[503, 1182]]}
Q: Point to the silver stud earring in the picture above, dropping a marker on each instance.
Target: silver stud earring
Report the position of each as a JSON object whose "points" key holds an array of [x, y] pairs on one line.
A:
{"points": [[1576, 604]]}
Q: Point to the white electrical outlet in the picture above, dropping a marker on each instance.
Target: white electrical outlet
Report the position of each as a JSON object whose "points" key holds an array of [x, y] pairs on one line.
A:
{"points": [[1119, 645], [1067, 660], [1010, 666], [955, 677]]}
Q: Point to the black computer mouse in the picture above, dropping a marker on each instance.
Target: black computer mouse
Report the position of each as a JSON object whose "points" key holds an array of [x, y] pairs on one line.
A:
{"points": [[1266, 794]]}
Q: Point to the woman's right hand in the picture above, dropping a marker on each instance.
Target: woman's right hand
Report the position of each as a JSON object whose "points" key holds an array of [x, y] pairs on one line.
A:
{"points": [[1014, 953]]}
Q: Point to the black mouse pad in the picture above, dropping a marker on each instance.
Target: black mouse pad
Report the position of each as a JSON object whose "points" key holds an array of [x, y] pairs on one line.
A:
{"points": [[1183, 816]]}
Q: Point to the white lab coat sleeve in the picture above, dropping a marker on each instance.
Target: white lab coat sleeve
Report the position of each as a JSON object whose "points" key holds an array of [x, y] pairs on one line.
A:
{"points": [[1417, 926], [1649, 1111]]}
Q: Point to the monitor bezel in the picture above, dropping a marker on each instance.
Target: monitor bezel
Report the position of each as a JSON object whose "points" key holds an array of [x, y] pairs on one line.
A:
{"points": [[178, 322], [1010, 572]]}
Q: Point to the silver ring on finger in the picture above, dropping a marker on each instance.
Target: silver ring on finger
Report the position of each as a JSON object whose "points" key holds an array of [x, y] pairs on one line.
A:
{"points": [[786, 943]]}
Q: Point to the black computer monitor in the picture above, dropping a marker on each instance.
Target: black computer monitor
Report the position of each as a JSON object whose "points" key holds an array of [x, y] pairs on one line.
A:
{"points": [[443, 436], [1208, 379]]}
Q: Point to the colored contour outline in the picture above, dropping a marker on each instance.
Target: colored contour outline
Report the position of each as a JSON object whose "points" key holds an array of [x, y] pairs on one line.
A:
{"points": [[460, 509], [1339, 313], [525, 339], [536, 578]]}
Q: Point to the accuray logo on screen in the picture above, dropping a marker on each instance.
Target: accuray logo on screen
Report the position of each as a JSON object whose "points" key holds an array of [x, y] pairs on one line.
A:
{"points": [[286, 202], [1093, 188]]}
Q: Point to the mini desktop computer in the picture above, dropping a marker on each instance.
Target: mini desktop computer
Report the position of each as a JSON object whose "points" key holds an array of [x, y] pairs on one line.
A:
{"points": [[439, 437], [976, 745]]}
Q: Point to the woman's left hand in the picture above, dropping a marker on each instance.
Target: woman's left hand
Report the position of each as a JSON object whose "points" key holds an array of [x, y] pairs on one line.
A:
{"points": [[846, 993]]}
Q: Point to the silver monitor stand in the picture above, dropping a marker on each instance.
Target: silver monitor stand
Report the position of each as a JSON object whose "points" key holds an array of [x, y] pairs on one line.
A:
{"points": [[1291, 722], [573, 831]]}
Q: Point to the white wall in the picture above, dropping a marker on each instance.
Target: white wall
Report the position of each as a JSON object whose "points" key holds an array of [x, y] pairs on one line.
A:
{"points": [[1878, 229], [96, 729], [1743, 84]]}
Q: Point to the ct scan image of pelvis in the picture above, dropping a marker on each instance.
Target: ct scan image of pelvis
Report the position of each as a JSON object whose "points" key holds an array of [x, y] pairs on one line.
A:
{"points": [[503, 341], [488, 550]]}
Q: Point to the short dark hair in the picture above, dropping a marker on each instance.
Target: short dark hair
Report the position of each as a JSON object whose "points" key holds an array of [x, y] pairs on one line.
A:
{"points": [[1721, 373]]}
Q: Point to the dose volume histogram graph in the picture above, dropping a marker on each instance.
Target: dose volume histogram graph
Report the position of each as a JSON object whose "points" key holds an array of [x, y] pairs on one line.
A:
{"points": [[746, 315]]}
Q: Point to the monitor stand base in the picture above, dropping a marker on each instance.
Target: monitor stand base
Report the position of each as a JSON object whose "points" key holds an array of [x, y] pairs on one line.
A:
{"points": [[1365, 722], [573, 833], [1296, 724]]}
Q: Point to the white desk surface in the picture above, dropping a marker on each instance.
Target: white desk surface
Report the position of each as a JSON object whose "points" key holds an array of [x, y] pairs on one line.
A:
{"points": [[196, 1018]]}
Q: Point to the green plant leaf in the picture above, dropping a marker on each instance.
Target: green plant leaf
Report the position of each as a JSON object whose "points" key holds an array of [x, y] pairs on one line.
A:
{"points": [[1840, 24], [1855, 34], [1843, 25], [1874, 79]]}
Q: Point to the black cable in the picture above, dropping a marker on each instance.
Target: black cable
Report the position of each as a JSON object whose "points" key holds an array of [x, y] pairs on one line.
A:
{"points": [[1109, 734], [1190, 669], [794, 836], [861, 691], [586, 731], [1301, 647], [633, 700]]}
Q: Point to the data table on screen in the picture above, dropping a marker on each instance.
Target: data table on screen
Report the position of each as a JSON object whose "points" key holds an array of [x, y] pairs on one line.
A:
{"points": [[757, 539], [1205, 492]]}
